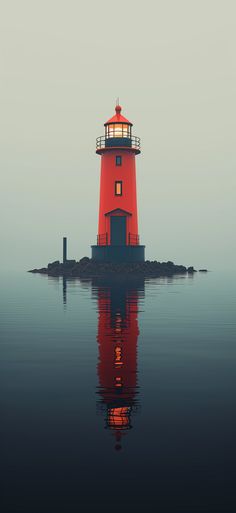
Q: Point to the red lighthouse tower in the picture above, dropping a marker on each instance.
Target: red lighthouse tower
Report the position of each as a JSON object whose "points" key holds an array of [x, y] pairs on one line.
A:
{"points": [[118, 237]]}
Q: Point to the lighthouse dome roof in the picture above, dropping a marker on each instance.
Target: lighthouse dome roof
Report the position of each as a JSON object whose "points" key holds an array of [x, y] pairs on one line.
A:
{"points": [[118, 118]]}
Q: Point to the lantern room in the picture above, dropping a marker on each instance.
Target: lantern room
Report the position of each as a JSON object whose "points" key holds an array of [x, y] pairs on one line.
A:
{"points": [[118, 126], [118, 133]]}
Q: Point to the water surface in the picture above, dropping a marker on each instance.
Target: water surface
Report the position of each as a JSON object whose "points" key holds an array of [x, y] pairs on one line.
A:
{"points": [[118, 396]]}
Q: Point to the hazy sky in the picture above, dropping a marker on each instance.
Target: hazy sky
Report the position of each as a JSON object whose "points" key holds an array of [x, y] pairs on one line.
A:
{"points": [[62, 65]]}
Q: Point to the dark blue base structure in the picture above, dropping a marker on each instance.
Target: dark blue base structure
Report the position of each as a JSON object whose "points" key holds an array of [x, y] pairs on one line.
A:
{"points": [[118, 253]]}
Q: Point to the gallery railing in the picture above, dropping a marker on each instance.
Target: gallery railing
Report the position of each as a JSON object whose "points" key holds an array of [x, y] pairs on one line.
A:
{"points": [[133, 240], [102, 239], [127, 142]]}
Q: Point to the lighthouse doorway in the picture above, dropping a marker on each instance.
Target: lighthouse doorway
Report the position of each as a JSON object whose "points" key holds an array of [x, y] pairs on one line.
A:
{"points": [[118, 230]]}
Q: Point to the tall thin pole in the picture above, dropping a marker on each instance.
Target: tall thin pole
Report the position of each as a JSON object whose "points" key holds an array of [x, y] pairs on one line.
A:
{"points": [[64, 249]]}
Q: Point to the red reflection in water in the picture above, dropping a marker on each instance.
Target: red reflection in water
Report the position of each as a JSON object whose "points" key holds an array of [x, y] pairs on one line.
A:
{"points": [[117, 366]]}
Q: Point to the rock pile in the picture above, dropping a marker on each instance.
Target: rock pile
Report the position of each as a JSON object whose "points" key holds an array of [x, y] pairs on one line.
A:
{"points": [[87, 267]]}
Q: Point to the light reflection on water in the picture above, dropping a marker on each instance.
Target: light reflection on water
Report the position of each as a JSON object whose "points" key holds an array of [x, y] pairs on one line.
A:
{"points": [[117, 368]]}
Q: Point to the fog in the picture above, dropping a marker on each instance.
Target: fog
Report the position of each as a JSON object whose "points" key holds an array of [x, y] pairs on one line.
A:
{"points": [[172, 64]]}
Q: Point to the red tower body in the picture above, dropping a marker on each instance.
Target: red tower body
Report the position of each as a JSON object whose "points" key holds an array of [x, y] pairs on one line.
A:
{"points": [[118, 237]]}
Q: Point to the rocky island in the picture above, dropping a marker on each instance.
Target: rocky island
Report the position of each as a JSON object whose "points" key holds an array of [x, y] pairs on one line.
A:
{"points": [[87, 268]]}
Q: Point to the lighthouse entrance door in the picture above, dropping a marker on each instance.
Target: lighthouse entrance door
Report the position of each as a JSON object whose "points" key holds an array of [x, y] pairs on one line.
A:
{"points": [[118, 230]]}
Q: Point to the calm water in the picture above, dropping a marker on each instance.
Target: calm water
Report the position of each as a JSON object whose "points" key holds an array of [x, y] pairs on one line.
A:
{"points": [[118, 398]]}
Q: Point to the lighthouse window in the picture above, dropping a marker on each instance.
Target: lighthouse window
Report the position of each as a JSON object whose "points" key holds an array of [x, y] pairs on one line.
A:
{"points": [[118, 188], [118, 130], [118, 160], [110, 131]]}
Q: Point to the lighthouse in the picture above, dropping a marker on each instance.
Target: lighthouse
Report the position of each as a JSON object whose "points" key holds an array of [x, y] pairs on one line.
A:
{"points": [[118, 237]]}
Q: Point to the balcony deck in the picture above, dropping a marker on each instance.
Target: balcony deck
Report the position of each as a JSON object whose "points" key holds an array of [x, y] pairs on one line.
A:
{"points": [[104, 143]]}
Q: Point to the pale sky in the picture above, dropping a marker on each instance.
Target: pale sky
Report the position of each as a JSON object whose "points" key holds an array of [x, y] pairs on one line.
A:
{"points": [[62, 66]]}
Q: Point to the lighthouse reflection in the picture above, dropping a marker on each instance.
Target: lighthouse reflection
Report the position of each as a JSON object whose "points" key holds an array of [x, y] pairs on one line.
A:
{"points": [[117, 337]]}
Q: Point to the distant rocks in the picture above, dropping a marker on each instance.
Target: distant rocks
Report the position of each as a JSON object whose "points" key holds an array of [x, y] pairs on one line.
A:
{"points": [[43, 270], [191, 270], [87, 267], [203, 270]]}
